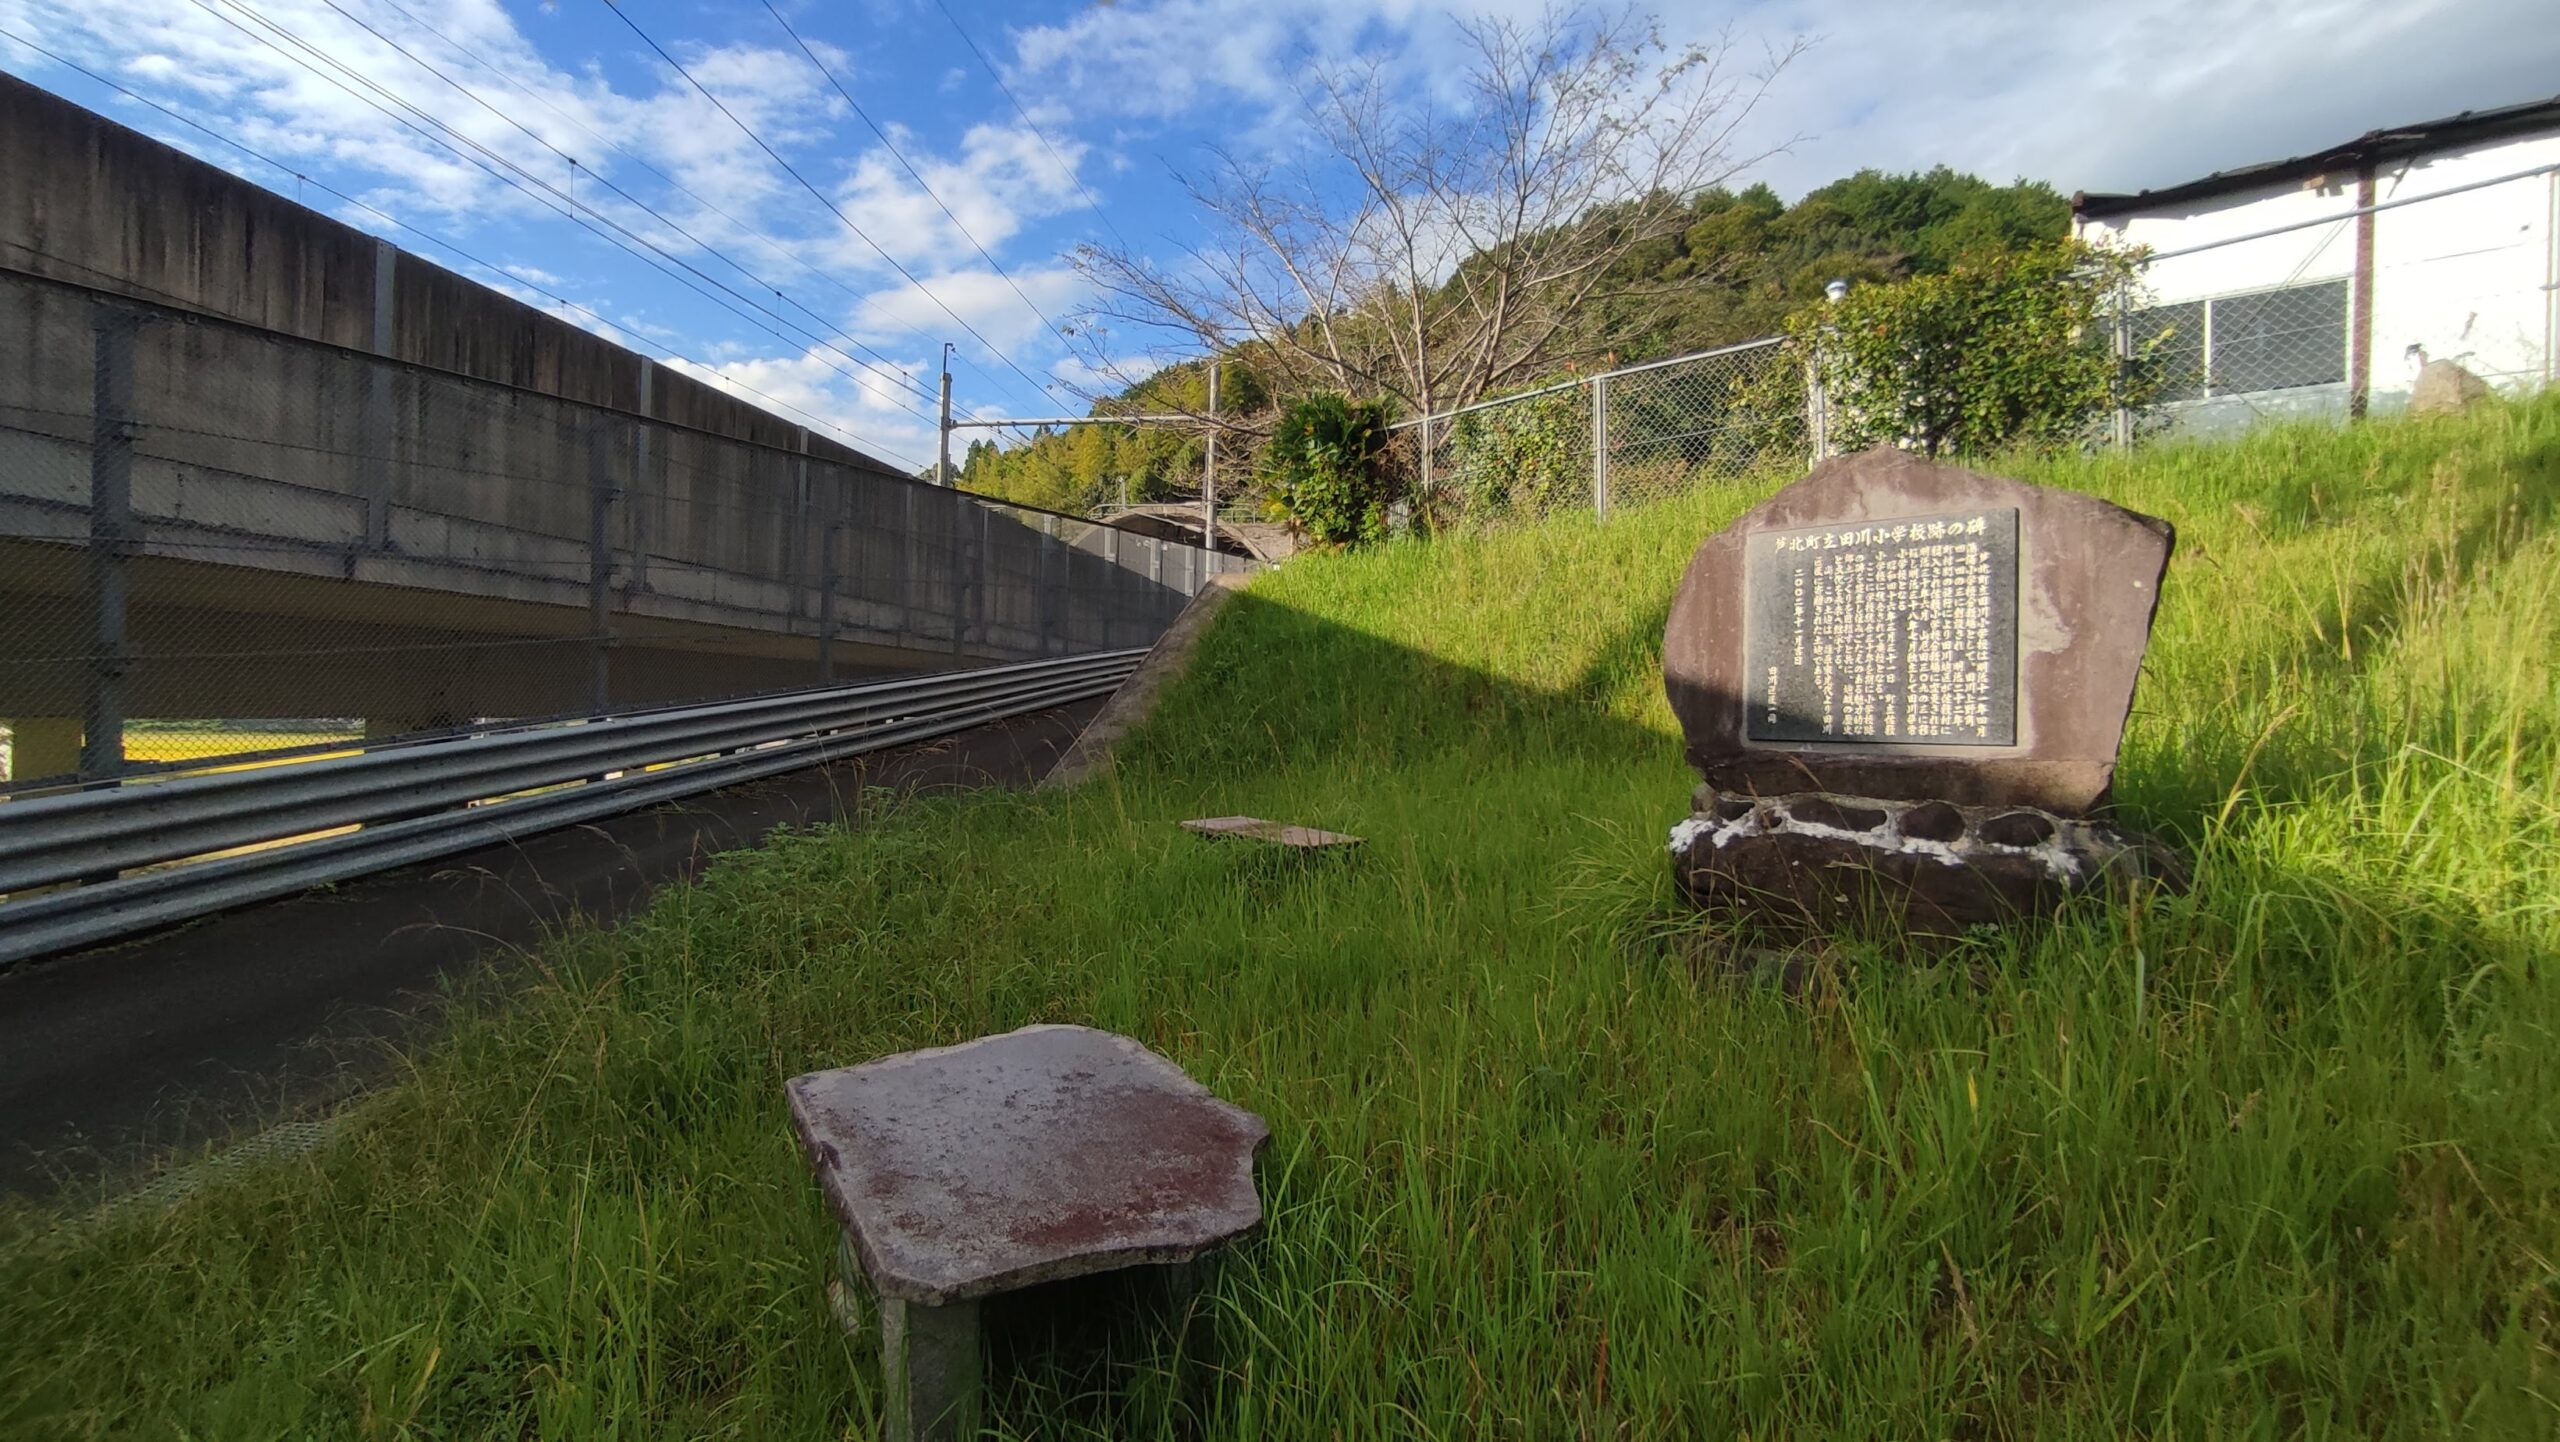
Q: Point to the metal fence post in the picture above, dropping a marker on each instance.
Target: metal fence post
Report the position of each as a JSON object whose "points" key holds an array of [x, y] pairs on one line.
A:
{"points": [[1053, 593], [601, 494], [1817, 408], [907, 543], [959, 571], [2124, 368], [636, 578], [373, 480], [1600, 446], [111, 537], [1426, 457], [804, 579], [984, 608], [830, 536]]}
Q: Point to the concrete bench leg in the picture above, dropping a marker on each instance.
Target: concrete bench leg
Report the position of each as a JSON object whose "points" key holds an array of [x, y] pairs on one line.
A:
{"points": [[932, 1371], [1183, 1282]]}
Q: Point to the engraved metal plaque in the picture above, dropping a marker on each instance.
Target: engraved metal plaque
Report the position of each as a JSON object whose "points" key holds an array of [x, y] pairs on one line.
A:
{"points": [[1879, 633]]}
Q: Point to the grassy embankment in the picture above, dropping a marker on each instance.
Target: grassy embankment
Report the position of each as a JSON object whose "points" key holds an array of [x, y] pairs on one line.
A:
{"points": [[2280, 1157]]}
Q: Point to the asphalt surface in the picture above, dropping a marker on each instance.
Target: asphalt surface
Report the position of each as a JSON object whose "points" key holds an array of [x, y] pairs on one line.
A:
{"points": [[111, 1059]]}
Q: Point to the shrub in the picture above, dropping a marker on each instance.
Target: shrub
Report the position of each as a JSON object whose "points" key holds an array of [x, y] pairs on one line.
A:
{"points": [[1326, 464], [2012, 348]]}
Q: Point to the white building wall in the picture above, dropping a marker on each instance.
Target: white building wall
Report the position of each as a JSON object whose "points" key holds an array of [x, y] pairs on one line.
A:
{"points": [[2472, 278]]}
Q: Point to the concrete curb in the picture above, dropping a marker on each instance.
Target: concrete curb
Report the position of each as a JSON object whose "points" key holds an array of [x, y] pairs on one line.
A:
{"points": [[1091, 755]]}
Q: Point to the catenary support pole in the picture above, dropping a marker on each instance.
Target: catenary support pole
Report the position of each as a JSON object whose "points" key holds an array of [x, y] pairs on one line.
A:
{"points": [[942, 453]]}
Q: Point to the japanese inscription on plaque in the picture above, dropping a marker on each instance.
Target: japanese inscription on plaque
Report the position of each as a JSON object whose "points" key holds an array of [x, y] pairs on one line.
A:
{"points": [[1884, 632]]}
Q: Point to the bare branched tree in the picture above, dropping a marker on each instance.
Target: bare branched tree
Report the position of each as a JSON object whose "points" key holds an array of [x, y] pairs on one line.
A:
{"points": [[1435, 243]]}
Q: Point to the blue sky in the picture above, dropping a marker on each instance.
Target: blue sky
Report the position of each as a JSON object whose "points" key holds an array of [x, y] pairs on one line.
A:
{"points": [[573, 107]]}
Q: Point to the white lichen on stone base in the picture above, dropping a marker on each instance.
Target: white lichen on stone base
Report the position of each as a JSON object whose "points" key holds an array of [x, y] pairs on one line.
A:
{"points": [[2060, 852]]}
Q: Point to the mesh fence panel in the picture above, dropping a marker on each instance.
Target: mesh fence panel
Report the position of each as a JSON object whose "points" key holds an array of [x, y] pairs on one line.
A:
{"points": [[273, 546], [1617, 439], [2235, 360]]}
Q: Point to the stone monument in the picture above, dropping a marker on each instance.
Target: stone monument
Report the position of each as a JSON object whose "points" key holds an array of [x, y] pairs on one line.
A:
{"points": [[1904, 684]]}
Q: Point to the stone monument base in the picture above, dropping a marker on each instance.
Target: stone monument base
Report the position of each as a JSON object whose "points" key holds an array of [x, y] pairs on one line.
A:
{"points": [[1933, 868]]}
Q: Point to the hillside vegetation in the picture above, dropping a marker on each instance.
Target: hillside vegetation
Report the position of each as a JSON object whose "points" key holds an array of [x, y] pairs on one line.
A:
{"points": [[1743, 262], [2279, 1157]]}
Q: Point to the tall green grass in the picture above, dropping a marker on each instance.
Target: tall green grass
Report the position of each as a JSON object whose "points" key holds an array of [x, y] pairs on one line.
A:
{"points": [[2280, 1157]]}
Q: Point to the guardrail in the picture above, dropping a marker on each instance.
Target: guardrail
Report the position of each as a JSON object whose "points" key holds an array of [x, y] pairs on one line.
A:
{"points": [[150, 853]]}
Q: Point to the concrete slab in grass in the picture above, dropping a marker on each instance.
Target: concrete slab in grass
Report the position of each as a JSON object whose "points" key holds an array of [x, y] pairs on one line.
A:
{"points": [[1277, 833]]}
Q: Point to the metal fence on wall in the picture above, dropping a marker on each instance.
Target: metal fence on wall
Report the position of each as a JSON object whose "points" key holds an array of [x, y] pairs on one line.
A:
{"points": [[219, 541], [1622, 437]]}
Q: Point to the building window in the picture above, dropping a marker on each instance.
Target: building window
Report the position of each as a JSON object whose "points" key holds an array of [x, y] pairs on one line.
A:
{"points": [[2272, 340], [2262, 340]]}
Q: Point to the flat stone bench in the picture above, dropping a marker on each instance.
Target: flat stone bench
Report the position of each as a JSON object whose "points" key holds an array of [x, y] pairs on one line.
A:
{"points": [[961, 1172]]}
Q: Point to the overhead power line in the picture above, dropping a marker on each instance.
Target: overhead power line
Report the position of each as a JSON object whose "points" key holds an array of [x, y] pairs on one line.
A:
{"points": [[892, 147], [824, 199], [820, 338], [638, 340], [1030, 125], [677, 186], [549, 195], [1073, 177]]}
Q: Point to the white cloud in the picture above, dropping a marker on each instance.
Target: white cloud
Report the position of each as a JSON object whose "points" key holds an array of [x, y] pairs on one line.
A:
{"points": [[2127, 96], [978, 296], [1002, 178], [875, 410], [2148, 92], [1090, 375]]}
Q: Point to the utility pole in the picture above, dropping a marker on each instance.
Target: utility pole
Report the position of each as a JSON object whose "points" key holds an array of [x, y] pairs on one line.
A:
{"points": [[1209, 470], [942, 462]]}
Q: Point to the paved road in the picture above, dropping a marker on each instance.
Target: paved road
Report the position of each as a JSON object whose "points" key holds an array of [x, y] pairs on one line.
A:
{"points": [[112, 1057]]}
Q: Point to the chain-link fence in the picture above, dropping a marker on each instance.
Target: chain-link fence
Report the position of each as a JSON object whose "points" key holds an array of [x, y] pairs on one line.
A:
{"points": [[2423, 300], [1622, 437], [218, 542]]}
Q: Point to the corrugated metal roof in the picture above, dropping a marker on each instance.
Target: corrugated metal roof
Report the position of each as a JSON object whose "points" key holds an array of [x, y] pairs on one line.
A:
{"points": [[2427, 137]]}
